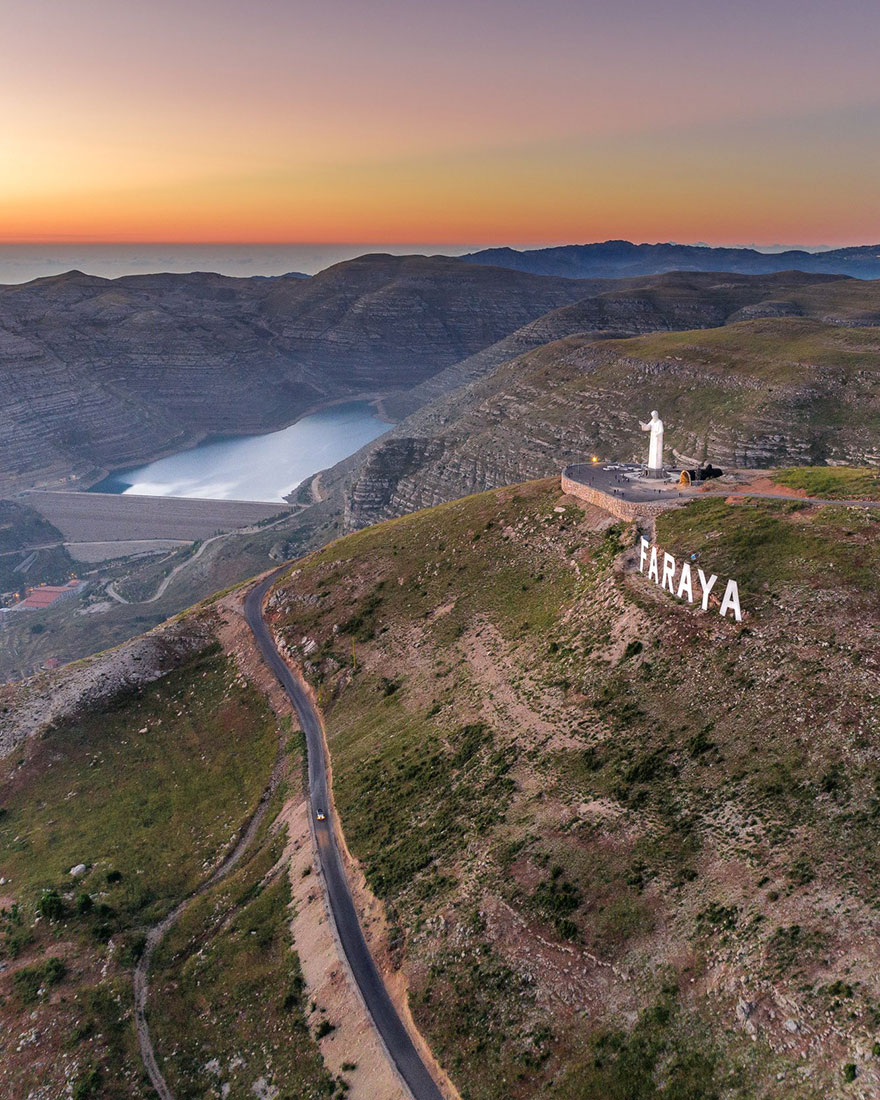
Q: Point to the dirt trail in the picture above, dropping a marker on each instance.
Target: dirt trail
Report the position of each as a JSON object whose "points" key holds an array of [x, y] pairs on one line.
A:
{"points": [[157, 932], [178, 569]]}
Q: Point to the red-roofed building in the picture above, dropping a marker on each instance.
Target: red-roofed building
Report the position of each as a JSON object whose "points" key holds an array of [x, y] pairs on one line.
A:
{"points": [[46, 595]]}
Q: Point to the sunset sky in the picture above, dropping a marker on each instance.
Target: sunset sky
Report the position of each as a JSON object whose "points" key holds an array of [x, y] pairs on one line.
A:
{"points": [[469, 120]]}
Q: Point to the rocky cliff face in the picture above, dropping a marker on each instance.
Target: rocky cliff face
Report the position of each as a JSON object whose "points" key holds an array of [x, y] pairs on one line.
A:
{"points": [[98, 373], [662, 303], [760, 393]]}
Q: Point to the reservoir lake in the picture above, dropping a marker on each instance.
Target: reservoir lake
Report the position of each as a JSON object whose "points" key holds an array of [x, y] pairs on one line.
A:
{"points": [[256, 467]]}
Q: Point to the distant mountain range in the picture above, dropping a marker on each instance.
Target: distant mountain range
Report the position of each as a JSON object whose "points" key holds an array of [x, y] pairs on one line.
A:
{"points": [[98, 373], [622, 259]]}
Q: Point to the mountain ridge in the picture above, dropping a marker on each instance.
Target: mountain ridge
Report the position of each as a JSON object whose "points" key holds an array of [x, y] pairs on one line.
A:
{"points": [[619, 258], [102, 373]]}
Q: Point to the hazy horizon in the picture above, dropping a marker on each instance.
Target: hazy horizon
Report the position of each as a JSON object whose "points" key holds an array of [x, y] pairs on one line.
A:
{"points": [[20, 263]]}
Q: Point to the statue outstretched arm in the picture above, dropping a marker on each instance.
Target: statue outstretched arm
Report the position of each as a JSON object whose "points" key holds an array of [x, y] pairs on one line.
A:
{"points": [[645, 427]]}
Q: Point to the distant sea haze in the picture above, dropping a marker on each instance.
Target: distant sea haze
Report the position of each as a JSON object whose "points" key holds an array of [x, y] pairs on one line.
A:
{"points": [[19, 263]]}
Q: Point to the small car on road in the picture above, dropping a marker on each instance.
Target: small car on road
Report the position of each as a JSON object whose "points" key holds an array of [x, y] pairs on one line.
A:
{"points": [[320, 815]]}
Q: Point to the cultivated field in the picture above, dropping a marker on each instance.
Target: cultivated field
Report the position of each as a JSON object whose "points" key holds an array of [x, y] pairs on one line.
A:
{"points": [[96, 517]]}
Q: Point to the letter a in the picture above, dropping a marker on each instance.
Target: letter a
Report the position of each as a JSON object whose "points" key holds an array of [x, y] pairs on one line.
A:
{"points": [[731, 599], [653, 568], [707, 587], [643, 553], [668, 572], [685, 584]]}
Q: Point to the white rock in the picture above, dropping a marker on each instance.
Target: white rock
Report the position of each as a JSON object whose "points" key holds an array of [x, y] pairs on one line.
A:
{"points": [[79, 870]]}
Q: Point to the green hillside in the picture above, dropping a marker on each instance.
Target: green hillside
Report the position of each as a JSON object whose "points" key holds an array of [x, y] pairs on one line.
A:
{"points": [[781, 350], [148, 793], [627, 848]]}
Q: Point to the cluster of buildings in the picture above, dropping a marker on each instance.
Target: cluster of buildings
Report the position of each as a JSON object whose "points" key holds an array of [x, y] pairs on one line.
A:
{"points": [[46, 595]]}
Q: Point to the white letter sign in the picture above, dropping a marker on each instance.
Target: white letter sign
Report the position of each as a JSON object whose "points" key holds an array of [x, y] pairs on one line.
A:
{"points": [[653, 570], [731, 599], [685, 590], [685, 584], [708, 585]]}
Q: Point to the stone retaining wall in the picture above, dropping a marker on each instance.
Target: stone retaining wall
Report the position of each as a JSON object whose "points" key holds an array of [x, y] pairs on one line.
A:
{"points": [[617, 506]]}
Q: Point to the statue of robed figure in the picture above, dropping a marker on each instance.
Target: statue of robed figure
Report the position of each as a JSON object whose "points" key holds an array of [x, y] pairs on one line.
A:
{"points": [[655, 452]]}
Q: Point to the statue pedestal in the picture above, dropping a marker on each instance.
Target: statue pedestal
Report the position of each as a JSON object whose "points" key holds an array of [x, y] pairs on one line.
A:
{"points": [[652, 472]]}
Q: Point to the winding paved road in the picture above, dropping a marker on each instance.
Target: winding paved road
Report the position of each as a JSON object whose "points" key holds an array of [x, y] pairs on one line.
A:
{"points": [[394, 1035]]}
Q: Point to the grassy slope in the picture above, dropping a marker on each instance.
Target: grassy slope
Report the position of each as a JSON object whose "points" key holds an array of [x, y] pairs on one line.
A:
{"points": [[148, 794], [229, 1004], [761, 393], [774, 350], [736, 375], [830, 483], [599, 819], [852, 300]]}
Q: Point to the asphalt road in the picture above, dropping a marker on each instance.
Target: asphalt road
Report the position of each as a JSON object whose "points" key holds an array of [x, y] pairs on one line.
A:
{"points": [[379, 1005]]}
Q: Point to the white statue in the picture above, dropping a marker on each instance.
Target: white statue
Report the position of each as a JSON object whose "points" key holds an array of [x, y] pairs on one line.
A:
{"points": [[655, 453]]}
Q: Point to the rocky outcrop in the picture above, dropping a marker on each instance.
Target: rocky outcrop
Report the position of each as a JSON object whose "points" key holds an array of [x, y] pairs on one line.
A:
{"points": [[48, 699], [378, 486]]}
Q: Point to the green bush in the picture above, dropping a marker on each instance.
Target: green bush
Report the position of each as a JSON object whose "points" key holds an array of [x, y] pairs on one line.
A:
{"points": [[51, 905], [28, 981], [633, 648], [87, 1084]]}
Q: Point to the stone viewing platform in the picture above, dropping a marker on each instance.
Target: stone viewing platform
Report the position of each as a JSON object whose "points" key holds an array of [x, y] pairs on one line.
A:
{"points": [[628, 493], [624, 490]]}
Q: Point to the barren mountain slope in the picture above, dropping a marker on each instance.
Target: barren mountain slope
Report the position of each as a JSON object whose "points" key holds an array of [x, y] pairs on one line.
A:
{"points": [[627, 848], [525, 420], [658, 303], [98, 372], [753, 393]]}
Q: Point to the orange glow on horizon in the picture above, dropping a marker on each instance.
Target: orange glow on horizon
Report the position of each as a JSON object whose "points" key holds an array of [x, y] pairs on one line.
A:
{"points": [[499, 123]]}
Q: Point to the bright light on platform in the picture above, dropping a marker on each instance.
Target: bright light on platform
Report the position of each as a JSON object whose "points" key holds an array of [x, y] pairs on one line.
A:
{"points": [[594, 459]]}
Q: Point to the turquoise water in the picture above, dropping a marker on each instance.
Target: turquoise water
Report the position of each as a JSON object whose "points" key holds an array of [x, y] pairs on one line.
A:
{"points": [[256, 467]]}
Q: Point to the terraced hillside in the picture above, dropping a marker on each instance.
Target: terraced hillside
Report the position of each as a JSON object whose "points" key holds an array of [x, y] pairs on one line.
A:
{"points": [[626, 848], [99, 373], [660, 303], [797, 383], [791, 377]]}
